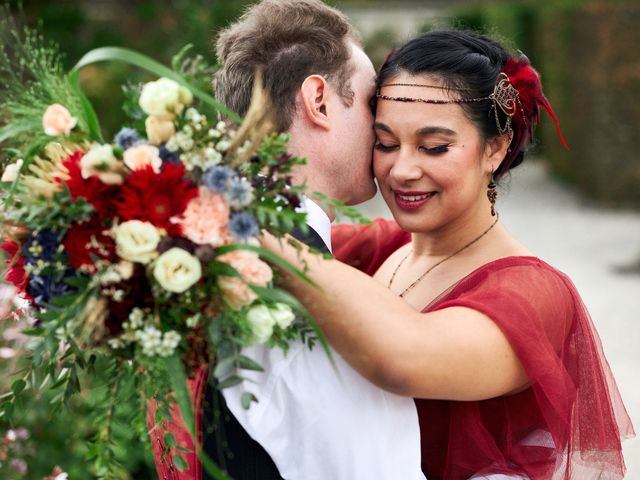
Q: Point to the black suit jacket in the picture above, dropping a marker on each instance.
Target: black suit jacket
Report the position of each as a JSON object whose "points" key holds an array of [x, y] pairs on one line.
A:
{"points": [[240, 455]]}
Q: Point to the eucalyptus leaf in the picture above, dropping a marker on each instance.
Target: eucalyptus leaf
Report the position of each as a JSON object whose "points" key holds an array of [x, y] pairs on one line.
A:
{"points": [[170, 440], [224, 368], [246, 399], [179, 462], [231, 381], [248, 363]]}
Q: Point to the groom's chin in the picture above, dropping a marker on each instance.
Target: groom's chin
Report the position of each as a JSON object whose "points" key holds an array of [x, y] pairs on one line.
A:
{"points": [[363, 195]]}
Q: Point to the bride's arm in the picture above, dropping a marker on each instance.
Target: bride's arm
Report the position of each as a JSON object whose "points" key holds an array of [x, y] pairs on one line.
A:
{"points": [[456, 353]]}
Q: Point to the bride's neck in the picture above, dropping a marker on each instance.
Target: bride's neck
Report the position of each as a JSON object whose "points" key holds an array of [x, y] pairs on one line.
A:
{"points": [[451, 237]]}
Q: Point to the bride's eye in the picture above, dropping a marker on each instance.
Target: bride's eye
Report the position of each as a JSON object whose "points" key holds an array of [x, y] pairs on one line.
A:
{"points": [[436, 150], [384, 148]]}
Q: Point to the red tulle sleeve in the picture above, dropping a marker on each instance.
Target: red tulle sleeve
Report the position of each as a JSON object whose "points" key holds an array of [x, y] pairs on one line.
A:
{"points": [[366, 247], [569, 423]]}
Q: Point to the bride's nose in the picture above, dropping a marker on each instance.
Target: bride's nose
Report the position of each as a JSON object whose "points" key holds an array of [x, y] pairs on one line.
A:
{"points": [[406, 166]]}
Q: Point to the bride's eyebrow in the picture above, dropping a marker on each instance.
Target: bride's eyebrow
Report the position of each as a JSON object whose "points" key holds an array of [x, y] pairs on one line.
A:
{"points": [[426, 131], [383, 127]]}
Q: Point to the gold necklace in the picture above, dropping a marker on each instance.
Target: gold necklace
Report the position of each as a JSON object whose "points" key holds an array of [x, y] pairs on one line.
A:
{"points": [[403, 293]]}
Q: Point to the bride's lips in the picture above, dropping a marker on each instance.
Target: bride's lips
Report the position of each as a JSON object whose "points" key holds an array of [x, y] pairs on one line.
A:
{"points": [[411, 200]]}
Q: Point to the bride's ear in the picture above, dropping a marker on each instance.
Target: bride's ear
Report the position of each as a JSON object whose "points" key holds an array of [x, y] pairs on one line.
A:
{"points": [[314, 93], [496, 150]]}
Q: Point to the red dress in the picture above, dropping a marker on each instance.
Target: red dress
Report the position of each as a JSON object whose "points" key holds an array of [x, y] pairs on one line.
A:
{"points": [[567, 425], [163, 455]]}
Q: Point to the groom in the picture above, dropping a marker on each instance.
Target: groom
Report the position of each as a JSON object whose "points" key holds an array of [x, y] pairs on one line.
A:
{"points": [[312, 420]]}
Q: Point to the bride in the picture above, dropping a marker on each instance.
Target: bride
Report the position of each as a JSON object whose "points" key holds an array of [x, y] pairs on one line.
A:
{"points": [[494, 344]]}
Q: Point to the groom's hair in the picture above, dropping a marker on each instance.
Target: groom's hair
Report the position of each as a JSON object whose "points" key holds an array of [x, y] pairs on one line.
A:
{"points": [[287, 40]]}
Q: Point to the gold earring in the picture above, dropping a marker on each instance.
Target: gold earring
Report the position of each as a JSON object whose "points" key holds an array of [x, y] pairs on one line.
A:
{"points": [[492, 195]]}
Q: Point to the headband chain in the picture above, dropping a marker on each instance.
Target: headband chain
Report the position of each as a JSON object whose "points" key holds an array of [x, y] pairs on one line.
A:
{"points": [[504, 95]]}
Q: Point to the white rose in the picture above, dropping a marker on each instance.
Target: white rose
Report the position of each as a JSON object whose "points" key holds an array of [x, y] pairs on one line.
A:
{"points": [[142, 155], [136, 241], [177, 270], [164, 97], [101, 161], [283, 315], [261, 321], [11, 172], [159, 128]]}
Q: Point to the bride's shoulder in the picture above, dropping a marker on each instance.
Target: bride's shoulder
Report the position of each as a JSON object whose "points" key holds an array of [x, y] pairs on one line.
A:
{"points": [[366, 247]]}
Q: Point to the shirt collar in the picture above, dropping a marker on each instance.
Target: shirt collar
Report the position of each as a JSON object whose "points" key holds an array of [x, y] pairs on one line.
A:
{"points": [[317, 219]]}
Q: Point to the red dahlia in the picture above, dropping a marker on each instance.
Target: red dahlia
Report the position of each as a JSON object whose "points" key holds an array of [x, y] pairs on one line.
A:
{"points": [[86, 239], [94, 191], [16, 273], [156, 197]]}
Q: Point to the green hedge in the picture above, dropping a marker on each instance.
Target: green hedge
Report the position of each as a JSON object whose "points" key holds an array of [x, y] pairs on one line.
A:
{"points": [[586, 53]]}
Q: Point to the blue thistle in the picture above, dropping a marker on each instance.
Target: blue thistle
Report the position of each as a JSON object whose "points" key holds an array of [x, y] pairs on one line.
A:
{"points": [[167, 156], [126, 137], [44, 288], [243, 226], [216, 178], [42, 246], [239, 193]]}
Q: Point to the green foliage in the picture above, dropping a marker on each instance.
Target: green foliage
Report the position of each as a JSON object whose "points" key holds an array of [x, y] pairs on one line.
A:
{"points": [[340, 209], [32, 79], [155, 28], [55, 214]]}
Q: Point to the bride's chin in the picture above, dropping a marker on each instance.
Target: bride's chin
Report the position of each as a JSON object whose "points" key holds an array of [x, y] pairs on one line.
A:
{"points": [[411, 225]]}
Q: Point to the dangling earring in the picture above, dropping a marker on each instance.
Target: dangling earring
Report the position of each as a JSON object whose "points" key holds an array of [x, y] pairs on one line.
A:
{"points": [[492, 195]]}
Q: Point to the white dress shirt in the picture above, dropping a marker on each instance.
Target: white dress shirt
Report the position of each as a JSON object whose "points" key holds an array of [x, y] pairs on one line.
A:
{"points": [[323, 421]]}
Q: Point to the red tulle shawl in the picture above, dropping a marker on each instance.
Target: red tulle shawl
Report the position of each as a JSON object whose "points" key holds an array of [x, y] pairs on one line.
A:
{"points": [[567, 425]]}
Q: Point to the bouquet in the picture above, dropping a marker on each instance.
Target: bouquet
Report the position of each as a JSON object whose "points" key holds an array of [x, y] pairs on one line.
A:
{"points": [[139, 256]]}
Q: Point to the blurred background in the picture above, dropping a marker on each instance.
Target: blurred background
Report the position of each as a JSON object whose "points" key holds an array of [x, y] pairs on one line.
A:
{"points": [[580, 210]]}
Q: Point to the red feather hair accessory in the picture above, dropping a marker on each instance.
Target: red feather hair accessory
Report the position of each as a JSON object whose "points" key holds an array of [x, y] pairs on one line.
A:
{"points": [[526, 80]]}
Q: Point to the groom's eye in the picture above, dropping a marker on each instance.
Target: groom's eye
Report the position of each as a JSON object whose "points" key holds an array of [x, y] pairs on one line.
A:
{"points": [[384, 148]]}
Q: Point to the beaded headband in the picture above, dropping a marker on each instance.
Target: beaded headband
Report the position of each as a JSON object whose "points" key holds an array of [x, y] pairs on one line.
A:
{"points": [[504, 96]]}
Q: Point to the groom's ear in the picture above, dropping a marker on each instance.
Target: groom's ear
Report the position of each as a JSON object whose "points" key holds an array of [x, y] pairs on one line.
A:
{"points": [[314, 93]]}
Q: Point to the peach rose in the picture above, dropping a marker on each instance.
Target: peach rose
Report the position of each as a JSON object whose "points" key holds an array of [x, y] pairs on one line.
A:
{"points": [[160, 128], [205, 219], [57, 120], [11, 171], [142, 155], [252, 270]]}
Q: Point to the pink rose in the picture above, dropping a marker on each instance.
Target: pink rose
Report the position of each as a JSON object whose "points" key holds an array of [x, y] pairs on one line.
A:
{"points": [[142, 155], [252, 270], [205, 219], [57, 120]]}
